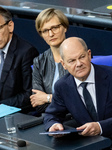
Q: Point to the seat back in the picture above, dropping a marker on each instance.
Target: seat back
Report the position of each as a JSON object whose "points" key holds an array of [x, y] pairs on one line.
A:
{"points": [[102, 60]]}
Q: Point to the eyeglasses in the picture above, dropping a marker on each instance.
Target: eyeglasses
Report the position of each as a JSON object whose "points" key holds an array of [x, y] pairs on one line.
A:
{"points": [[54, 29], [1, 26]]}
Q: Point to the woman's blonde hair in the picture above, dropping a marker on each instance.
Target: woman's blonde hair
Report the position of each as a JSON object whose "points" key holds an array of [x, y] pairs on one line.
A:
{"points": [[48, 14]]}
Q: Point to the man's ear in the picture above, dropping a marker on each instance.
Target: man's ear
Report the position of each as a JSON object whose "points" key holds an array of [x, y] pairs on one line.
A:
{"points": [[89, 54], [11, 26], [65, 30], [63, 64]]}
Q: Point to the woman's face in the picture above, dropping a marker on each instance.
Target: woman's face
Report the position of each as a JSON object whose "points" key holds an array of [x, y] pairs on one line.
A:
{"points": [[53, 32]]}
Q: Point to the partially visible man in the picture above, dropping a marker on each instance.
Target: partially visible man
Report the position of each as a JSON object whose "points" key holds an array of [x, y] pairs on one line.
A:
{"points": [[16, 73], [69, 93]]}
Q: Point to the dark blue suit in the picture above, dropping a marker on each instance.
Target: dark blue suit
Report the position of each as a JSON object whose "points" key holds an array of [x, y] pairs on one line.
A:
{"points": [[66, 99], [16, 77]]}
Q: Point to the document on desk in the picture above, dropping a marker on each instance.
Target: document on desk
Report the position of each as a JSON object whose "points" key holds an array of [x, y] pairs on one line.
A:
{"points": [[67, 131], [7, 110]]}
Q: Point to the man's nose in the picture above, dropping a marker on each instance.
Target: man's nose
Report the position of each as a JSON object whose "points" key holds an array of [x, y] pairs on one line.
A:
{"points": [[78, 62]]}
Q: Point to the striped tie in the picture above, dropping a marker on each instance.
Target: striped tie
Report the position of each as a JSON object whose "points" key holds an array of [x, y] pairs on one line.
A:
{"points": [[2, 62]]}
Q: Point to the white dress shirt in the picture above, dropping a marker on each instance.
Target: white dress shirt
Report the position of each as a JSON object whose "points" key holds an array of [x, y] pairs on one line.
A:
{"points": [[90, 88], [5, 50]]}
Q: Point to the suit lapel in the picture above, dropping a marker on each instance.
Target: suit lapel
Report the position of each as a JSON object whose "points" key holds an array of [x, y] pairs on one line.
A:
{"points": [[8, 61], [75, 102], [101, 83], [7, 66]]}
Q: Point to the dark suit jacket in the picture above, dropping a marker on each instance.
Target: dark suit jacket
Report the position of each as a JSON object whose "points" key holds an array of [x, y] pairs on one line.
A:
{"points": [[16, 77], [66, 98]]}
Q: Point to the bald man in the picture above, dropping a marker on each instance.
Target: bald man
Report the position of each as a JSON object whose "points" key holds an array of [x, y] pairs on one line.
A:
{"points": [[68, 96]]}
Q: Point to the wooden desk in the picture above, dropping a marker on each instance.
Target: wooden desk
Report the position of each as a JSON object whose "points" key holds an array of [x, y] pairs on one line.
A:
{"points": [[69, 142]]}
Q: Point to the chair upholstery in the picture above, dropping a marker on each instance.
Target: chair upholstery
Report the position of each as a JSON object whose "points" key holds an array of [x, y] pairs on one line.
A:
{"points": [[102, 60]]}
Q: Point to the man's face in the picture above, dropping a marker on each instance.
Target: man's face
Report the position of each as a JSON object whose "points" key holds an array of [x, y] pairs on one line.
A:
{"points": [[77, 61], [5, 32]]}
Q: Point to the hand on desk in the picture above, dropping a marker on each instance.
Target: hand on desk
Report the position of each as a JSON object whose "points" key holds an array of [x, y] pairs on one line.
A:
{"points": [[38, 98], [90, 129], [56, 127]]}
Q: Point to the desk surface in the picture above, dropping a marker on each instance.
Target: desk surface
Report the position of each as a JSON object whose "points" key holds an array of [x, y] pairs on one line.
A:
{"points": [[80, 4], [98, 13], [71, 142]]}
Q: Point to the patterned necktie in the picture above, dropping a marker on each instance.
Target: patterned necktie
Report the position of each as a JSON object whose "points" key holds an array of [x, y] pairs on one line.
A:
{"points": [[89, 102], [2, 62]]}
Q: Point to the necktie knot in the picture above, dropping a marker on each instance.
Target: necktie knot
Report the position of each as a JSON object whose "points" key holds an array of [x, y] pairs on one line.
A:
{"points": [[2, 55], [84, 84]]}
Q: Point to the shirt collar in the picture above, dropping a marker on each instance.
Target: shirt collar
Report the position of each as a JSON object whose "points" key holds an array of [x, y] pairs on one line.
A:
{"points": [[89, 79], [5, 49]]}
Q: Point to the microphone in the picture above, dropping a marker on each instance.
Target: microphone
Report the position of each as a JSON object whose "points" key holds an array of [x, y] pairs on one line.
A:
{"points": [[19, 143]]}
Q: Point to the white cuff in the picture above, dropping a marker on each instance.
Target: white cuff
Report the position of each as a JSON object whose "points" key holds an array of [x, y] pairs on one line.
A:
{"points": [[100, 128]]}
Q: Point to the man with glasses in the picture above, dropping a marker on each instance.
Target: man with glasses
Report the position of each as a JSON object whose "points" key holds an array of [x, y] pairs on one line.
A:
{"points": [[15, 64]]}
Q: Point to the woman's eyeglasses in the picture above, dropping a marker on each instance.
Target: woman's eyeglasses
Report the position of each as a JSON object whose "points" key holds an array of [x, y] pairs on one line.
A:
{"points": [[54, 29]]}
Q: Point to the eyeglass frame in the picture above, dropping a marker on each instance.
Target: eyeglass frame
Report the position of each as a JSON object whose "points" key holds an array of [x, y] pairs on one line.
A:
{"points": [[47, 30], [1, 26]]}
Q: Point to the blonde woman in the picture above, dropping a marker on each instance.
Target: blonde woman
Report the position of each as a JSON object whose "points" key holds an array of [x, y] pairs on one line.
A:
{"points": [[52, 25]]}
